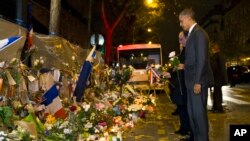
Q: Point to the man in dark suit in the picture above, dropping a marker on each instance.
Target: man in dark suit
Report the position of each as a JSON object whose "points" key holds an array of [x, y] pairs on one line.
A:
{"points": [[218, 64], [198, 75], [178, 91]]}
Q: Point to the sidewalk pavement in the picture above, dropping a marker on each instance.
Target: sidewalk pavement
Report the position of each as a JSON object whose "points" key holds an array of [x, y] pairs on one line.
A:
{"points": [[157, 126], [161, 125]]}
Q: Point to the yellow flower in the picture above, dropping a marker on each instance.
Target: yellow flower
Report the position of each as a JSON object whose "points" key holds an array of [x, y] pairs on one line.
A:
{"points": [[50, 119]]}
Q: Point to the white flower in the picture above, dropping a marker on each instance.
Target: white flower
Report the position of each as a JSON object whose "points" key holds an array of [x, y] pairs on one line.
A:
{"points": [[85, 106], [171, 54], [88, 125], [67, 131], [64, 124], [73, 58], [124, 66], [157, 66], [41, 58], [91, 138], [97, 131], [48, 126], [106, 134], [114, 96], [41, 61], [134, 107], [13, 134], [2, 133], [36, 62], [32, 136], [20, 129], [102, 139], [2, 64]]}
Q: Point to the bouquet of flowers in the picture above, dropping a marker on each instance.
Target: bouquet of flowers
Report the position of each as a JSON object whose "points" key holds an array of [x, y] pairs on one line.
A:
{"points": [[174, 60], [38, 63]]}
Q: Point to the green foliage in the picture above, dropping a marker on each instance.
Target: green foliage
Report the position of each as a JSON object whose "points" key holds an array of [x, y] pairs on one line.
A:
{"points": [[131, 100], [16, 75], [148, 14], [2, 73], [175, 62], [122, 75], [138, 17], [6, 116]]}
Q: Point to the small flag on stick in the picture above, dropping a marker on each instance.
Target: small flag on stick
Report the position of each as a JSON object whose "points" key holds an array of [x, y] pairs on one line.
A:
{"points": [[8, 41], [84, 75], [53, 104]]}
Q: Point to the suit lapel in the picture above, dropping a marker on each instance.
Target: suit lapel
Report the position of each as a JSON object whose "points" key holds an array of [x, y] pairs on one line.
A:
{"points": [[192, 32]]}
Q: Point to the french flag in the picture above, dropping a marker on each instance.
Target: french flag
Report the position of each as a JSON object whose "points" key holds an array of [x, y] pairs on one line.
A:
{"points": [[8, 41], [53, 104], [153, 75], [84, 75]]}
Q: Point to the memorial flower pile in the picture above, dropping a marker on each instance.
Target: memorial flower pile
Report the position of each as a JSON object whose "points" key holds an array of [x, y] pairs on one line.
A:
{"points": [[106, 111]]}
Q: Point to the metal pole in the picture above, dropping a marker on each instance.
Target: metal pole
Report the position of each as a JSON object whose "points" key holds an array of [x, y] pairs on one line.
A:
{"points": [[89, 23], [55, 6]]}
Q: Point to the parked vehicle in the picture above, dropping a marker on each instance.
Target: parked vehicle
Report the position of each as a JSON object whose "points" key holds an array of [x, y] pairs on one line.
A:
{"points": [[140, 56], [245, 74], [238, 74]]}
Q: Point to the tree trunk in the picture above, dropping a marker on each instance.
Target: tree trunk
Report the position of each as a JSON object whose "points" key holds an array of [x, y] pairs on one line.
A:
{"points": [[55, 6], [108, 45], [110, 29]]}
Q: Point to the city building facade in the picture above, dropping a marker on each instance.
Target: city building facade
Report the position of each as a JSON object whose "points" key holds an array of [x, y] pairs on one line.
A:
{"points": [[229, 26]]}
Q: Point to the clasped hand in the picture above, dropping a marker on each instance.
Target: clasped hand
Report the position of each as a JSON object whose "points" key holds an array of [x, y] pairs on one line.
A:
{"points": [[197, 88]]}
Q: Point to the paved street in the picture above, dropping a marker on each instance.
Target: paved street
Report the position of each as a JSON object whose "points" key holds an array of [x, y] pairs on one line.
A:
{"points": [[160, 125]]}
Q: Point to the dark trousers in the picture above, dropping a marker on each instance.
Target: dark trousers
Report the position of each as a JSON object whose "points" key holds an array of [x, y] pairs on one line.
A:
{"points": [[184, 119], [217, 98], [197, 111]]}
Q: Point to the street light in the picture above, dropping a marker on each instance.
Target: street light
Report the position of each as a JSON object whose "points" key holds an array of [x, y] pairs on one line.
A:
{"points": [[96, 39], [149, 1], [149, 30]]}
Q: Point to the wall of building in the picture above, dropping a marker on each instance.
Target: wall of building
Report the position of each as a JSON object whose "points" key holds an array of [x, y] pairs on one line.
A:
{"points": [[73, 23], [231, 29], [236, 22]]}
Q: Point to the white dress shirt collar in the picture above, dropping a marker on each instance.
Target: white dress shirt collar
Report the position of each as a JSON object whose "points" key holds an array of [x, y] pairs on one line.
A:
{"points": [[191, 28]]}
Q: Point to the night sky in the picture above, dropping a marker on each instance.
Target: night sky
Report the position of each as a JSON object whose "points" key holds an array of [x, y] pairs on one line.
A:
{"points": [[169, 28]]}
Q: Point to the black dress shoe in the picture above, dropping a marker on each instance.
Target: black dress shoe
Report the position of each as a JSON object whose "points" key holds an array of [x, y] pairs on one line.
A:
{"points": [[186, 139], [218, 111], [175, 113], [181, 132], [211, 110]]}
